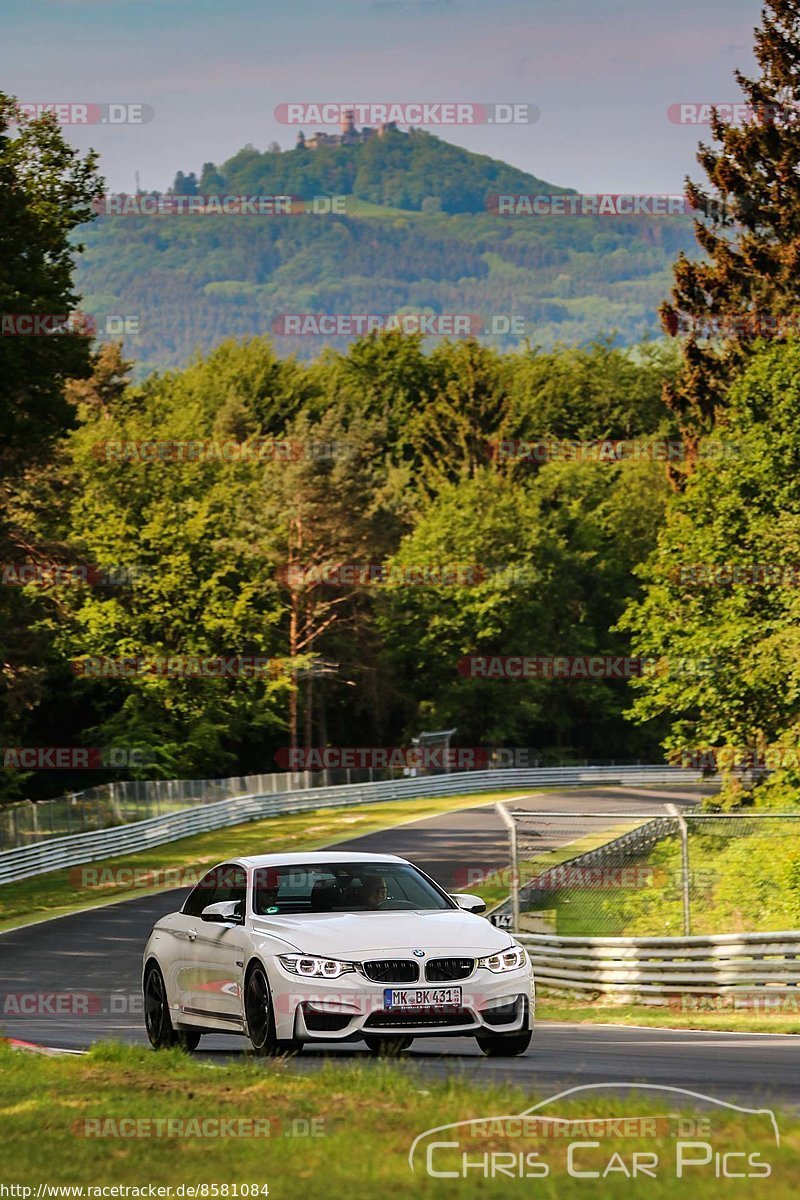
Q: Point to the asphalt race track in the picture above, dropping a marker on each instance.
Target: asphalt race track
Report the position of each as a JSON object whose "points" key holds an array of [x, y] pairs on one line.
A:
{"points": [[97, 954]]}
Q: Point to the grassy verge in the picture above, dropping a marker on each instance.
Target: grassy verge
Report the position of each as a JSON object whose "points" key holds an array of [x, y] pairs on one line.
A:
{"points": [[748, 883], [781, 1015], [495, 888], [166, 865], [347, 1132]]}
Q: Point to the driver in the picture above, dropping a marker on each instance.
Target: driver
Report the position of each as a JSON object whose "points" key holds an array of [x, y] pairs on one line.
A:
{"points": [[267, 888], [373, 891]]}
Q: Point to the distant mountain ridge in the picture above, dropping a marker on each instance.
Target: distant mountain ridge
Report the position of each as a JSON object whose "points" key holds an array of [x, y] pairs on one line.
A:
{"points": [[417, 236], [415, 171]]}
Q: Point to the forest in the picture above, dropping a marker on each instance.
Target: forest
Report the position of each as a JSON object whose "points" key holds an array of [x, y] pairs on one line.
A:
{"points": [[249, 550]]}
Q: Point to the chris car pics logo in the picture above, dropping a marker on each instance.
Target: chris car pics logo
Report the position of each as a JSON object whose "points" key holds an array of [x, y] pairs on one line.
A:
{"points": [[713, 1139]]}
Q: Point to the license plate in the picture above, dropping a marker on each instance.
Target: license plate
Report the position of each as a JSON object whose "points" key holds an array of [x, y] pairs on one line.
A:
{"points": [[421, 997]]}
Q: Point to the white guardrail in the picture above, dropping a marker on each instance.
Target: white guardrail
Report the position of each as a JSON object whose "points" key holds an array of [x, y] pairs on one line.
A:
{"points": [[73, 850], [763, 965]]}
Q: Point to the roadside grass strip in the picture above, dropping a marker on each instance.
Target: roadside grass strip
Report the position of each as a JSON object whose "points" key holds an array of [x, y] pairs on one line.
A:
{"points": [[719, 1014], [124, 1116]]}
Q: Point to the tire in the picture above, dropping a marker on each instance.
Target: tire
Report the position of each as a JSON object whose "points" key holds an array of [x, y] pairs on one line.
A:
{"points": [[388, 1046], [505, 1045], [260, 1017], [187, 1039], [157, 1020]]}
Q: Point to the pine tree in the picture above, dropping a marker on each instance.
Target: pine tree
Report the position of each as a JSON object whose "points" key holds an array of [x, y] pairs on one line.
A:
{"points": [[748, 285]]}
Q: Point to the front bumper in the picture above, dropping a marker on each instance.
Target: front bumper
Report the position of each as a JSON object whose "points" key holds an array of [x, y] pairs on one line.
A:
{"points": [[350, 1007]]}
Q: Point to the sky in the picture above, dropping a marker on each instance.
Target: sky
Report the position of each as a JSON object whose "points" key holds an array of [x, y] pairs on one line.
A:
{"points": [[602, 73]]}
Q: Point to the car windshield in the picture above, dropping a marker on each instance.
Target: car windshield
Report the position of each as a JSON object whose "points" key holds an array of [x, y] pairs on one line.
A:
{"points": [[344, 888]]}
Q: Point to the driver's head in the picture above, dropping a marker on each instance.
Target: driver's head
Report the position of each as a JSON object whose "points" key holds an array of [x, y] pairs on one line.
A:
{"points": [[373, 891], [268, 885]]}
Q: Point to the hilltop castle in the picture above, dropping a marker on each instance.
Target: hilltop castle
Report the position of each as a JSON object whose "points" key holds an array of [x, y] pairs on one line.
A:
{"points": [[350, 136]]}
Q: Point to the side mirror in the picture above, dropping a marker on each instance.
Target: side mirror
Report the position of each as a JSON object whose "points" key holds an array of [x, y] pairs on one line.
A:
{"points": [[472, 904], [226, 912]]}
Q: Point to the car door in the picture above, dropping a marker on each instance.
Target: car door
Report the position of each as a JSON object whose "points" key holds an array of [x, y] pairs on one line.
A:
{"points": [[214, 952], [180, 932]]}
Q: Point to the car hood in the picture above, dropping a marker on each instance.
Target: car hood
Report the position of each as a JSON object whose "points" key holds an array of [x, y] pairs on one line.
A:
{"points": [[352, 935]]}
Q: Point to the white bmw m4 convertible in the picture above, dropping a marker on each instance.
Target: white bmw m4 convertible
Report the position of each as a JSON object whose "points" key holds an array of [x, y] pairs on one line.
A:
{"points": [[326, 947]]}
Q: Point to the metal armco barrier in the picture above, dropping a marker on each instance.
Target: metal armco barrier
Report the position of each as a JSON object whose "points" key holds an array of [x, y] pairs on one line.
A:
{"points": [[763, 965], [71, 851]]}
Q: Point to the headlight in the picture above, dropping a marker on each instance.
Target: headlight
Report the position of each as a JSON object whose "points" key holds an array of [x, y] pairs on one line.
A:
{"points": [[507, 960], [325, 968]]}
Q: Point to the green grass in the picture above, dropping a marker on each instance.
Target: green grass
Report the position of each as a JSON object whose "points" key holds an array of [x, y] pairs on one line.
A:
{"points": [[65, 891], [716, 1013], [365, 1118], [746, 883]]}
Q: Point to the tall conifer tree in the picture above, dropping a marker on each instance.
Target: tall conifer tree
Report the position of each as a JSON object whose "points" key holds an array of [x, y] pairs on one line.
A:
{"points": [[748, 284]]}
